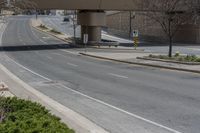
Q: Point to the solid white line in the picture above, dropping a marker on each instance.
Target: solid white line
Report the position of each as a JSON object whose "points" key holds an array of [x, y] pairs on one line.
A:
{"points": [[101, 102], [123, 111], [117, 75], [71, 64], [28, 69], [37, 36]]}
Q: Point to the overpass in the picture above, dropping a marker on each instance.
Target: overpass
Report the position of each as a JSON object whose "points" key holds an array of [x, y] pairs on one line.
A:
{"points": [[91, 13]]}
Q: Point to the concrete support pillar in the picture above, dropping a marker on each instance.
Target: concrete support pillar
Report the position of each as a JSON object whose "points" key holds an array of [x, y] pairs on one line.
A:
{"points": [[91, 23]]}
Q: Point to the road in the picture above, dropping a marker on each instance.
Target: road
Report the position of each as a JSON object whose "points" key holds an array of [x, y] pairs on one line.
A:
{"points": [[118, 97], [67, 28]]}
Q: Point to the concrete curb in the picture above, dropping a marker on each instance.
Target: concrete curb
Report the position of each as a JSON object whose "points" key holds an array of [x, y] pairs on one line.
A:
{"points": [[79, 123], [169, 61], [143, 64]]}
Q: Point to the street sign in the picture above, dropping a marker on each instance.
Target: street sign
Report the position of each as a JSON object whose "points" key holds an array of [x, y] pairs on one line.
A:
{"points": [[85, 38], [135, 33]]}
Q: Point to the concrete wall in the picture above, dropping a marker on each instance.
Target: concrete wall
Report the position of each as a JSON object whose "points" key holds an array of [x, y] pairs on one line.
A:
{"points": [[118, 24]]}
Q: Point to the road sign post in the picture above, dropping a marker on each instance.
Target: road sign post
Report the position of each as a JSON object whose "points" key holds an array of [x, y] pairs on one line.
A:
{"points": [[135, 38], [85, 41]]}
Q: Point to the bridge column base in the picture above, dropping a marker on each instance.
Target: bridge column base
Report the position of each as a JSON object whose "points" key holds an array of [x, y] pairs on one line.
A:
{"points": [[91, 23]]}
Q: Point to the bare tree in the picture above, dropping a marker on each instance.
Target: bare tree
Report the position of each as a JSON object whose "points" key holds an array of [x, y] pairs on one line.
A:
{"points": [[170, 15], [21, 5]]}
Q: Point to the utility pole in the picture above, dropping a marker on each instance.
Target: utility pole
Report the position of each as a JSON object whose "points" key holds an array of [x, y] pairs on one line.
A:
{"points": [[74, 26], [131, 17]]}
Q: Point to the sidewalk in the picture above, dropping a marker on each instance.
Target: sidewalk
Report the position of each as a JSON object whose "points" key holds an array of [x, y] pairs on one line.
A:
{"points": [[131, 58]]}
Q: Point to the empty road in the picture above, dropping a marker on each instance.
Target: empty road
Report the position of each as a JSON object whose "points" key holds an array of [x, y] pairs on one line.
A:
{"points": [[118, 97]]}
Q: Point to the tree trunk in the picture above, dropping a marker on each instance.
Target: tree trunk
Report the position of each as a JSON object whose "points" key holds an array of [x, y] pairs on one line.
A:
{"points": [[170, 46], [74, 26], [170, 39], [130, 24]]}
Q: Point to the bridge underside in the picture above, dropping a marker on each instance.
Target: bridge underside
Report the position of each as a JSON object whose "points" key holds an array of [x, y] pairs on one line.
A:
{"points": [[91, 15], [86, 4]]}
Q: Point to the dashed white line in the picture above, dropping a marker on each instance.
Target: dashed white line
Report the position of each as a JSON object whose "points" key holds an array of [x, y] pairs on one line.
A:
{"points": [[117, 75], [71, 64], [37, 37], [45, 37], [101, 102], [75, 53], [20, 40], [49, 57]]}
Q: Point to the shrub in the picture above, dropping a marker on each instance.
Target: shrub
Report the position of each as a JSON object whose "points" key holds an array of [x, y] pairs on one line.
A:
{"points": [[27, 117], [55, 31], [43, 26], [177, 54]]}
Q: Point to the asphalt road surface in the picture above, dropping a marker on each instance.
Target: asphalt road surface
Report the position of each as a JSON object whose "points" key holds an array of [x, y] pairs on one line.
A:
{"points": [[118, 97]]}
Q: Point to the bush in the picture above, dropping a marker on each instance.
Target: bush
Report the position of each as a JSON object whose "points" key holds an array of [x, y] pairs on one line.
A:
{"points": [[27, 117], [55, 31], [177, 57], [43, 26], [177, 54]]}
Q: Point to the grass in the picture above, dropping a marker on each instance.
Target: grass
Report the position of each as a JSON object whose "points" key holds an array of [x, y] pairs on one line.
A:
{"points": [[43, 27], [55, 31], [178, 57], [21, 116]]}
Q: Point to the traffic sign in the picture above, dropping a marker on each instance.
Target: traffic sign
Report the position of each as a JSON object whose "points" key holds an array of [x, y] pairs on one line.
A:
{"points": [[85, 38], [135, 33]]}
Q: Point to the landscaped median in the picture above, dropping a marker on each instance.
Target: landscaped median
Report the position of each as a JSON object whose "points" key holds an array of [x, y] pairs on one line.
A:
{"points": [[21, 116], [37, 24], [177, 58], [139, 60]]}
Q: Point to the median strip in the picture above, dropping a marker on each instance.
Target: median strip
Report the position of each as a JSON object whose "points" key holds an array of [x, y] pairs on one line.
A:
{"points": [[142, 64]]}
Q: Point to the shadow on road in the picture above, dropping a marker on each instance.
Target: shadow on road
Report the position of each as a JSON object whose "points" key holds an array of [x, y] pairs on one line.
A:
{"points": [[36, 47]]}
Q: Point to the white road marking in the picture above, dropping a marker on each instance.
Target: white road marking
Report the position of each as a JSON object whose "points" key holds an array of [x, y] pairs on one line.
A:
{"points": [[57, 54], [45, 37], [117, 75], [37, 37], [28, 69], [24, 43], [20, 40], [71, 64], [101, 102], [49, 57], [75, 53], [123, 111]]}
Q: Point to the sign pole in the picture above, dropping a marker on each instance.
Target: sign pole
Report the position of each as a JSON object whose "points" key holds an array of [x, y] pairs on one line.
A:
{"points": [[135, 38], [85, 41]]}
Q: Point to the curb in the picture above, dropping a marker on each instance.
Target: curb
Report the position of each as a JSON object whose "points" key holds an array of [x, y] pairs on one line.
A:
{"points": [[74, 120], [169, 61], [50, 34], [133, 50], [142, 64]]}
